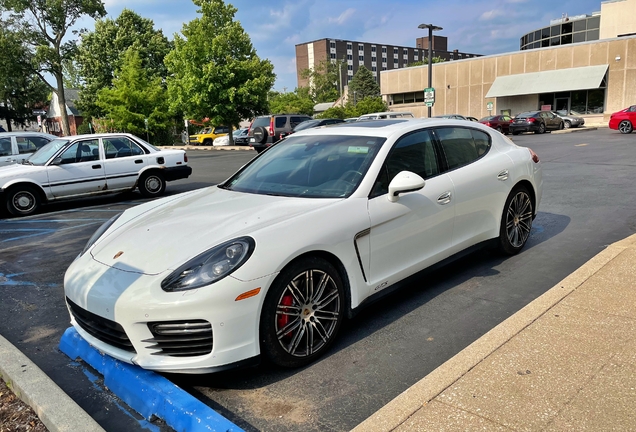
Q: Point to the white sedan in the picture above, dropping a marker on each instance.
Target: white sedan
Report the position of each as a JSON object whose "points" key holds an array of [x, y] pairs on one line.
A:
{"points": [[271, 261], [16, 147], [86, 165]]}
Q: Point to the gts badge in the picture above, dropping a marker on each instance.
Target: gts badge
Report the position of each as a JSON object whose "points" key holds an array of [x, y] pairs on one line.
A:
{"points": [[381, 286]]}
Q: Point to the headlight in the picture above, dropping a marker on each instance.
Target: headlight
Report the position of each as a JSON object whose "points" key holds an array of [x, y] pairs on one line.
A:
{"points": [[101, 230], [210, 266]]}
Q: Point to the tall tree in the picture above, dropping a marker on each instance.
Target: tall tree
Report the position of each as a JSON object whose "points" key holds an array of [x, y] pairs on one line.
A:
{"points": [[363, 85], [214, 70], [134, 99], [101, 53], [325, 80], [20, 90], [45, 25], [296, 102], [72, 76]]}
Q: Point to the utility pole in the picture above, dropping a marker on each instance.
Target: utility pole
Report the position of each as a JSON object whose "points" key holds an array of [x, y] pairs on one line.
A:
{"points": [[430, 28]]}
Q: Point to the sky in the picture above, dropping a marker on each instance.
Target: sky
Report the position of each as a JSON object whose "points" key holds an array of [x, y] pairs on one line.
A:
{"points": [[276, 26]]}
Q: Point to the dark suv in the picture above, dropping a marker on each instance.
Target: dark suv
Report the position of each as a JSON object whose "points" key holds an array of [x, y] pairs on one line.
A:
{"points": [[266, 130]]}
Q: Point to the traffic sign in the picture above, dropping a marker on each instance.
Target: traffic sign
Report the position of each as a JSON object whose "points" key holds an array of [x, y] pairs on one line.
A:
{"points": [[429, 96], [489, 106]]}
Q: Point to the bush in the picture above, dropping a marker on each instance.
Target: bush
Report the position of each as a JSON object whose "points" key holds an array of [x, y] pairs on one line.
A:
{"points": [[84, 128]]}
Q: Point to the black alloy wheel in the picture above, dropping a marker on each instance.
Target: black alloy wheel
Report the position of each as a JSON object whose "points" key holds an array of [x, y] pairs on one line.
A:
{"points": [[541, 128], [302, 313], [516, 221], [625, 127]]}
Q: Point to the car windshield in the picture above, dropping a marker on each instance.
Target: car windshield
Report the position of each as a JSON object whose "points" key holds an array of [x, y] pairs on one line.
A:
{"points": [[42, 156], [315, 166], [306, 125]]}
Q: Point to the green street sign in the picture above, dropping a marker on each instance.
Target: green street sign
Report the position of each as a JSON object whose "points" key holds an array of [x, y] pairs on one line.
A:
{"points": [[489, 106], [429, 96]]}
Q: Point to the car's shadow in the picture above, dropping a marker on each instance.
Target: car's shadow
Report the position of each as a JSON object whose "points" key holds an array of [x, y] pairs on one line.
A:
{"points": [[373, 318]]}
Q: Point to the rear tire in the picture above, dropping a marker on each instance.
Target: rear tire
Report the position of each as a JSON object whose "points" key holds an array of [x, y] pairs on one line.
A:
{"points": [[541, 128], [516, 132], [152, 184], [23, 200], [302, 313], [208, 142], [516, 221]]}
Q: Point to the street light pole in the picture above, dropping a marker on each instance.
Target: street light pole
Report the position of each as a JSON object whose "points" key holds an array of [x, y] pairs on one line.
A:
{"points": [[430, 28]]}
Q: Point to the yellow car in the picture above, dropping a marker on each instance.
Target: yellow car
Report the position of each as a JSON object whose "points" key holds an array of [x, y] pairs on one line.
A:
{"points": [[207, 135]]}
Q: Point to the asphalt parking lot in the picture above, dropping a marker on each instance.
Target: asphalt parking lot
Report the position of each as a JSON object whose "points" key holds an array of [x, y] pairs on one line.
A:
{"points": [[588, 203]]}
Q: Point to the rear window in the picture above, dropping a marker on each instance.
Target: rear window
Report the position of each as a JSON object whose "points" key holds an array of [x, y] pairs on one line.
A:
{"points": [[526, 115], [260, 121]]}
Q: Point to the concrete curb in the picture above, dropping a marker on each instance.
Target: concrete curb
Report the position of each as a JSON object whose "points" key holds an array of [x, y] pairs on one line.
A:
{"points": [[147, 392], [56, 409], [411, 400], [573, 130]]}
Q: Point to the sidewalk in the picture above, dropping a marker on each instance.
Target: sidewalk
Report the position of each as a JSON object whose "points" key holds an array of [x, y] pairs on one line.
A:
{"points": [[565, 362]]}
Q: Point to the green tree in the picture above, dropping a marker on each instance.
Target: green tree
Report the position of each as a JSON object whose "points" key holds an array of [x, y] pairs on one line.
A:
{"points": [[214, 71], [20, 90], [133, 98], [72, 77], [101, 53], [370, 105], [44, 26], [324, 80], [363, 85], [296, 102], [425, 61]]}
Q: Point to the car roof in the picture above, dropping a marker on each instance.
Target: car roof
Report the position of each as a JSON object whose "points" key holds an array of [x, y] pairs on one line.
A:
{"points": [[28, 133]]}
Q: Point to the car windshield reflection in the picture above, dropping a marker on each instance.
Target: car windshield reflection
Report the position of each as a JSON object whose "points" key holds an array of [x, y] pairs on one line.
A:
{"points": [[43, 155], [309, 166]]}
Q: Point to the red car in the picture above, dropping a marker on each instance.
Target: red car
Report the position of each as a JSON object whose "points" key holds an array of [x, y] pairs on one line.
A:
{"points": [[624, 120], [499, 122]]}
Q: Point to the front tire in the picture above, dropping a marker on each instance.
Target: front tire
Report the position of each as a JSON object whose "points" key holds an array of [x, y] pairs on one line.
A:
{"points": [[625, 127], [23, 200], [567, 124], [516, 221], [152, 185], [302, 313]]}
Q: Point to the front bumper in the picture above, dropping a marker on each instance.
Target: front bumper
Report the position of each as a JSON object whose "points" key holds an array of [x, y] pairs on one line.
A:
{"points": [[133, 300]]}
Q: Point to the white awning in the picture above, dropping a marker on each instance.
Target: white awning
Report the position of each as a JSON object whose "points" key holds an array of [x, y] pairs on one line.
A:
{"points": [[581, 78]]}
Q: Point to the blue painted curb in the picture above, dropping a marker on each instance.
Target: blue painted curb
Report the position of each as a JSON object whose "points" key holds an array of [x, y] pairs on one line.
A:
{"points": [[147, 392]]}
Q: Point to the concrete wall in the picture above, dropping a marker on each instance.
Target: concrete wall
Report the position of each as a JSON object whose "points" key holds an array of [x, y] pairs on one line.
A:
{"points": [[618, 17], [461, 86]]}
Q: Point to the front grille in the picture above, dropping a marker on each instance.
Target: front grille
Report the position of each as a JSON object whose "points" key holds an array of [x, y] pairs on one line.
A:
{"points": [[101, 328], [181, 338]]}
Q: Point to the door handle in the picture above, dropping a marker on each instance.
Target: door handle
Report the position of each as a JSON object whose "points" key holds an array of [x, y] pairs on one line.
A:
{"points": [[445, 198], [503, 175], [138, 161], [97, 166]]}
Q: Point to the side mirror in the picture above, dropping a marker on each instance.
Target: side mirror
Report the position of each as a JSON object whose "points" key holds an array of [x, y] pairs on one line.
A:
{"points": [[404, 182], [56, 161]]}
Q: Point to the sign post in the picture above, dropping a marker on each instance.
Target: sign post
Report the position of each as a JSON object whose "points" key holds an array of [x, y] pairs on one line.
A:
{"points": [[429, 96]]}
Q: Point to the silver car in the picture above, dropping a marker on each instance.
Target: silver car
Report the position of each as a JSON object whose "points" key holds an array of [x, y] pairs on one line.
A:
{"points": [[16, 147], [569, 120]]}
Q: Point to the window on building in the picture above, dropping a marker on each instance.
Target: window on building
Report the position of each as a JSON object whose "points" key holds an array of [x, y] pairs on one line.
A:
{"points": [[566, 39], [361, 58], [383, 49], [566, 28], [579, 25], [374, 69], [578, 37], [555, 41], [395, 50], [545, 33], [405, 50], [555, 30], [592, 35], [373, 48], [593, 23], [333, 55], [373, 59], [395, 61], [545, 43], [350, 67], [384, 66], [332, 44], [349, 46], [537, 35], [349, 57]]}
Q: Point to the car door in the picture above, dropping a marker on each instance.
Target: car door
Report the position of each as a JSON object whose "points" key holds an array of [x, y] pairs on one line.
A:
{"points": [[78, 170], [416, 231], [123, 160], [7, 156], [480, 177]]}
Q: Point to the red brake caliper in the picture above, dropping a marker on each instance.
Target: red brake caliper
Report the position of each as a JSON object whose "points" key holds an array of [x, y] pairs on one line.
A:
{"points": [[283, 320]]}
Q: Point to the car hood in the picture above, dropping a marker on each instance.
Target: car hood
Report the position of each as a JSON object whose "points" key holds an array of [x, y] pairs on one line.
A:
{"points": [[18, 171], [174, 231]]}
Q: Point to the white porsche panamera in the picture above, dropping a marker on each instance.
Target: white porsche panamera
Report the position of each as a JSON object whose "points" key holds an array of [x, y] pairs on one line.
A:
{"points": [[271, 261]]}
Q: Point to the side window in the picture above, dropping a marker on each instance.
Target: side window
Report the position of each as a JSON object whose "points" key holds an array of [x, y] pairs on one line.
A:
{"points": [[5, 147], [279, 122], [25, 145], [459, 146], [294, 120], [120, 147], [482, 142], [414, 152], [221, 129], [632, 108], [83, 151]]}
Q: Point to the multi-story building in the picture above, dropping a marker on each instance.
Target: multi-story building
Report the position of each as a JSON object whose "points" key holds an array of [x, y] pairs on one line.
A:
{"points": [[374, 56], [615, 19]]}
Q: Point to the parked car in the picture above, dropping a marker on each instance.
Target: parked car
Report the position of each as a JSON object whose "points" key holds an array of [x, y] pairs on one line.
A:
{"points": [[535, 121], [475, 119], [498, 122], [451, 116], [267, 130], [624, 120], [16, 147], [308, 124], [86, 165], [569, 119], [351, 119], [207, 136], [385, 200], [385, 115], [242, 139], [225, 139]]}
